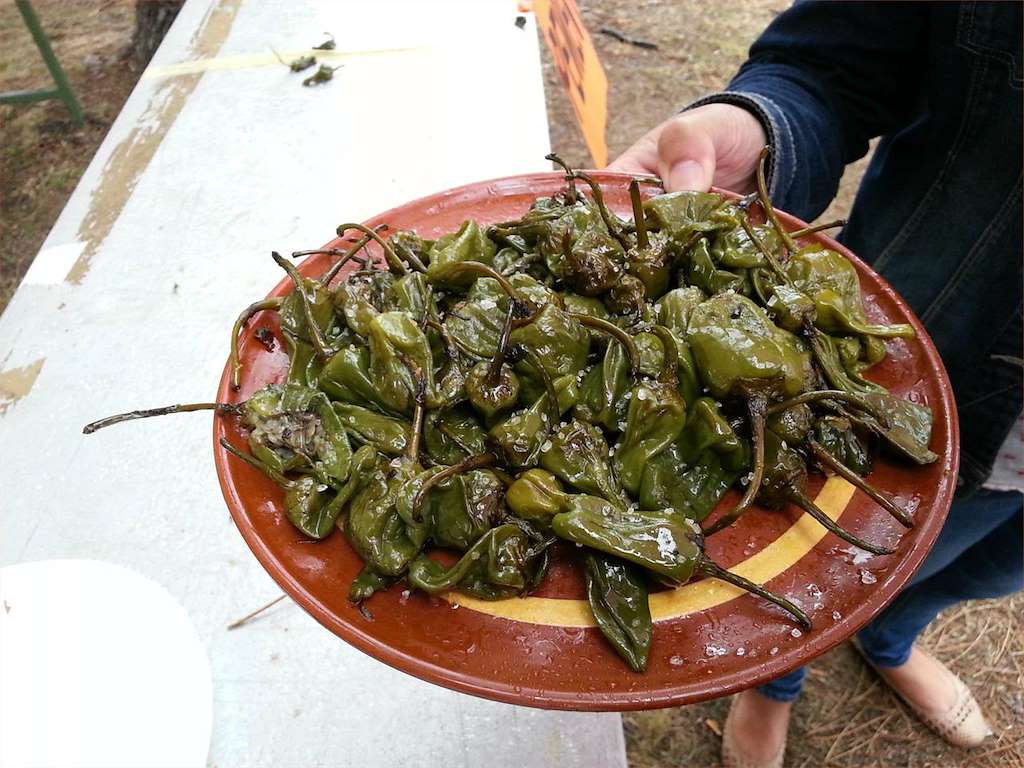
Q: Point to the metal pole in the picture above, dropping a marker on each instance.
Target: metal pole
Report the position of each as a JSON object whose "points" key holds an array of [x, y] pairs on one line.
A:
{"points": [[56, 72]]}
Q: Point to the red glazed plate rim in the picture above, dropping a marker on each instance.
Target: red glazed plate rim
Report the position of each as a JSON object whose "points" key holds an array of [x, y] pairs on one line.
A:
{"points": [[816, 643]]}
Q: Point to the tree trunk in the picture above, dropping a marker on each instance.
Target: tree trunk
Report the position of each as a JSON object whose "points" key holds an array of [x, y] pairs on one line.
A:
{"points": [[152, 20]]}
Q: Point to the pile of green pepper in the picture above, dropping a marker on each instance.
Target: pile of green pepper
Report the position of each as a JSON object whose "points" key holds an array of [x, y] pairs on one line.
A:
{"points": [[571, 376]]}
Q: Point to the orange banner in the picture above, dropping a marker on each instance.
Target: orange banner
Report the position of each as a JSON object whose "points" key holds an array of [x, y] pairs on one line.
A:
{"points": [[581, 70]]}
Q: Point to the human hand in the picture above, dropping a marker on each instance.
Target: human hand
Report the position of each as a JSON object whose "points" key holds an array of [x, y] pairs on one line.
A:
{"points": [[715, 144]]}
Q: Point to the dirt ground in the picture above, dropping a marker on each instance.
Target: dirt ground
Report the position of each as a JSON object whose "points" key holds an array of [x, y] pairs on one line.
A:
{"points": [[42, 152], [700, 45], [846, 718]]}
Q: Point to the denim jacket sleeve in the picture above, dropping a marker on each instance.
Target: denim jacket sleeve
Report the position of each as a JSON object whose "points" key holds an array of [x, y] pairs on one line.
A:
{"points": [[824, 78]]}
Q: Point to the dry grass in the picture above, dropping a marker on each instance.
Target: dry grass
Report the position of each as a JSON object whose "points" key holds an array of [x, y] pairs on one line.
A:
{"points": [[846, 716], [42, 153], [848, 719], [700, 46]]}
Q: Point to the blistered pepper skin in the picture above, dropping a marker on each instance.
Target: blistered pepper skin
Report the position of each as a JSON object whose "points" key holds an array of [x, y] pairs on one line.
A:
{"points": [[569, 375], [832, 284], [662, 543], [618, 600], [738, 348]]}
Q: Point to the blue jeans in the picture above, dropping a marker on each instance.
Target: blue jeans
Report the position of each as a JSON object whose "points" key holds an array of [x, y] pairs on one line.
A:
{"points": [[978, 555]]}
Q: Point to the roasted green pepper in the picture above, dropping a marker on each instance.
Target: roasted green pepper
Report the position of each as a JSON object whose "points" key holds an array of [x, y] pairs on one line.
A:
{"points": [[385, 433], [618, 600], [664, 543], [468, 244], [491, 389], [537, 496], [500, 564], [656, 416], [399, 351], [683, 215], [831, 282], [559, 343], [519, 438], [578, 454], [693, 474], [453, 434], [602, 392], [739, 350]]}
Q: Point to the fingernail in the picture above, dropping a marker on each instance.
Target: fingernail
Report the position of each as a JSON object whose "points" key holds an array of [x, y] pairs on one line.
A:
{"points": [[687, 174]]}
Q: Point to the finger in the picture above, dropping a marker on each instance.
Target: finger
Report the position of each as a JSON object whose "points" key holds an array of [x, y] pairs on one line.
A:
{"points": [[686, 155], [626, 163], [641, 158]]}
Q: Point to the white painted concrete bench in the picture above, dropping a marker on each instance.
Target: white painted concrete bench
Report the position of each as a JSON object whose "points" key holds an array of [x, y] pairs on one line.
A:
{"points": [[219, 156]]}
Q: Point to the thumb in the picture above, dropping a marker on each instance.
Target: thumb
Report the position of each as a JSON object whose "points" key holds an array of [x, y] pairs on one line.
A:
{"points": [[686, 155]]}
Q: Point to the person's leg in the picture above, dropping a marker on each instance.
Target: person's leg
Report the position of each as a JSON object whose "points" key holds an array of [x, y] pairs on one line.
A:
{"points": [[992, 567], [978, 555], [755, 729], [786, 688], [969, 521], [989, 566]]}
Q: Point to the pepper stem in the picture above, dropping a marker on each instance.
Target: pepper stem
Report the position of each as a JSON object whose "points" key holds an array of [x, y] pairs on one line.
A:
{"points": [[514, 226], [756, 407], [830, 461], [798, 497], [670, 354], [494, 371], [483, 270], [412, 448], [349, 255], [824, 394], [757, 278], [479, 461], [638, 214], [411, 257], [613, 228], [252, 461], [612, 330], [316, 333], [554, 412], [766, 201], [360, 260], [389, 253], [346, 256], [710, 568], [773, 263], [573, 194], [222, 409], [243, 318], [798, 233]]}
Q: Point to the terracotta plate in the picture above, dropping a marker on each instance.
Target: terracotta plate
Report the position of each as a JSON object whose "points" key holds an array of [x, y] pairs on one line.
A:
{"points": [[543, 651]]}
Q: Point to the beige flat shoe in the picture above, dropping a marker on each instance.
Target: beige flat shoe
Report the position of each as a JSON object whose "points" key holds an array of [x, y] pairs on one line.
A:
{"points": [[962, 725], [734, 757]]}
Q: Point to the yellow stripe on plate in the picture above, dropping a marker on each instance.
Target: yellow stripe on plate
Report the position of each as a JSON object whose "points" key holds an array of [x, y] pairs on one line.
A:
{"points": [[783, 553]]}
